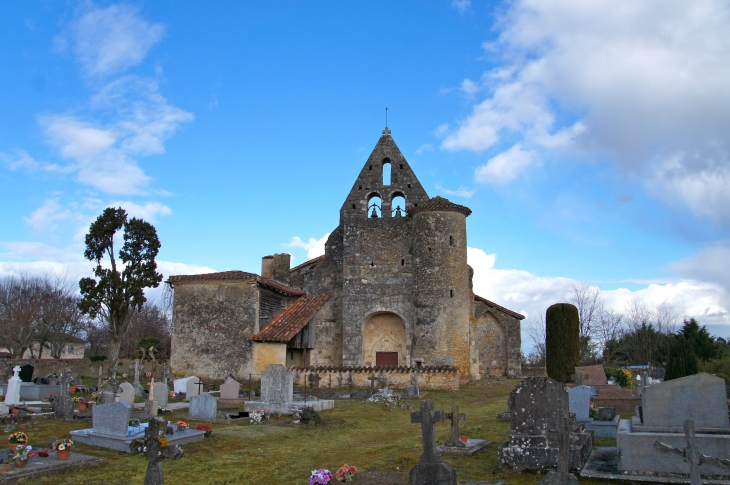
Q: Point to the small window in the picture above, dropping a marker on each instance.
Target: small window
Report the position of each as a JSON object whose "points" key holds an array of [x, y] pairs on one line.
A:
{"points": [[401, 166], [372, 263], [359, 187], [429, 249], [386, 172], [451, 240], [370, 167], [451, 293], [409, 186], [354, 206], [402, 262]]}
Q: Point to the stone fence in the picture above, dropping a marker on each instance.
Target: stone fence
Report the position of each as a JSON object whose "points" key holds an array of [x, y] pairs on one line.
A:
{"points": [[343, 377], [80, 367], [533, 371]]}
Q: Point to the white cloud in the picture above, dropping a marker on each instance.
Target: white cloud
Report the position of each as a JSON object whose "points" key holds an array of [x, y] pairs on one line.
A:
{"points": [[461, 5], [642, 82], [314, 247], [46, 216], [505, 167], [21, 160], [112, 39], [531, 295], [148, 211], [426, 147], [462, 191]]}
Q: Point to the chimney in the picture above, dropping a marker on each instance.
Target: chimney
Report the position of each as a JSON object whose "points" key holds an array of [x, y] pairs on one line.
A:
{"points": [[267, 266], [280, 268]]}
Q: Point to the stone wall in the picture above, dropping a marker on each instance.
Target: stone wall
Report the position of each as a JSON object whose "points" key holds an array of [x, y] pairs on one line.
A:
{"points": [[356, 377], [504, 329], [212, 323], [79, 367]]}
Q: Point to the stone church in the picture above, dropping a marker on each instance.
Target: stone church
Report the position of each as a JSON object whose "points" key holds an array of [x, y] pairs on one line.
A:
{"points": [[392, 289]]}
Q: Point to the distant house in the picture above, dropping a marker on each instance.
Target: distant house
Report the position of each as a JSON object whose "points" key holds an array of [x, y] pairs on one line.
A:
{"points": [[73, 348]]}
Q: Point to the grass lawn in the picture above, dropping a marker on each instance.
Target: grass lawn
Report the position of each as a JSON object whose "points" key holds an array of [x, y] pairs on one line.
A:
{"points": [[381, 443]]}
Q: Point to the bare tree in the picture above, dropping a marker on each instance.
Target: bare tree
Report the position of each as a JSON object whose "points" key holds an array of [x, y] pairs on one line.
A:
{"points": [[645, 338], [606, 332], [590, 304], [61, 317], [536, 332], [20, 312], [151, 321]]}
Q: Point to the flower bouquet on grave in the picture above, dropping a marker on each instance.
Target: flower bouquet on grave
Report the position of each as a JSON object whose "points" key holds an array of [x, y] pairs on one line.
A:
{"points": [[62, 448], [182, 426], [204, 427], [52, 397], [593, 410], [23, 453], [17, 438], [320, 476], [345, 473], [256, 416]]}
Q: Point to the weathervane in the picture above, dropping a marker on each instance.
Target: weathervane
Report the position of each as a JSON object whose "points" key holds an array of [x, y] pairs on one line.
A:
{"points": [[386, 131]]}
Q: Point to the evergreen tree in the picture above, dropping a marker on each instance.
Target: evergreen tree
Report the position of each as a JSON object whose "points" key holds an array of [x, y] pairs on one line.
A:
{"points": [[681, 361], [562, 341], [704, 345]]}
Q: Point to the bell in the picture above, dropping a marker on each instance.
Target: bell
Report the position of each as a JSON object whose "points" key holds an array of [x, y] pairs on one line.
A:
{"points": [[374, 214], [398, 212]]}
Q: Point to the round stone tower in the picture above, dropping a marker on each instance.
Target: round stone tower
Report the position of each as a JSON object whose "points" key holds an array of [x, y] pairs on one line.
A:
{"points": [[442, 294]]}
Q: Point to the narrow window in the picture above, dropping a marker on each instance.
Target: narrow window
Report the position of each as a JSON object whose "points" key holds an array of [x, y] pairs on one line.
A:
{"points": [[386, 172], [402, 262], [451, 293], [451, 240], [370, 167], [429, 249], [372, 263], [354, 206], [401, 166], [359, 187], [409, 186]]}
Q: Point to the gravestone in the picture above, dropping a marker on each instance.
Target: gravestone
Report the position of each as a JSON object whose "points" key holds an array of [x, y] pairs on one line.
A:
{"points": [[430, 469], [111, 419], [204, 406], [150, 405], [277, 390], [666, 407], [26, 373], [372, 380], [579, 399], [63, 408], [456, 418], [180, 385], [138, 390], [230, 388], [411, 392], [155, 452], [126, 393], [538, 405], [109, 391], [193, 388], [593, 375], [12, 395], [562, 475], [165, 374], [161, 394]]}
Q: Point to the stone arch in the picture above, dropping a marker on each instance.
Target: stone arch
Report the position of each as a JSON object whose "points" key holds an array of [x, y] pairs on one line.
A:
{"points": [[374, 205], [384, 331], [398, 199]]}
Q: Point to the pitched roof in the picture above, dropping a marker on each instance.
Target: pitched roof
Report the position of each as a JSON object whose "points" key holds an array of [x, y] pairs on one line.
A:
{"points": [[307, 263], [291, 321], [438, 203], [499, 307], [236, 275]]}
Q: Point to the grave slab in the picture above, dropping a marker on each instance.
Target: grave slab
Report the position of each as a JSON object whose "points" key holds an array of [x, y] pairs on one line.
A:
{"points": [[43, 467], [472, 446]]}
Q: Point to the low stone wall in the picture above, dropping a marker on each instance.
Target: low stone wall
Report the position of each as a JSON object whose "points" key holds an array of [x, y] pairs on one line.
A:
{"points": [[347, 377], [79, 367], [534, 371]]}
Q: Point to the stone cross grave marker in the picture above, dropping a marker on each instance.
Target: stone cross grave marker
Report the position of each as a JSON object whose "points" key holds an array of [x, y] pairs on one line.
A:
{"points": [[456, 419], [156, 451], [230, 388], [165, 374], [127, 394], [562, 476], [204, 406], [63, 408], [12, 394], [691, 454], [138, 390], [150, 406], [430, 469], [372, 380], [98, 380]]}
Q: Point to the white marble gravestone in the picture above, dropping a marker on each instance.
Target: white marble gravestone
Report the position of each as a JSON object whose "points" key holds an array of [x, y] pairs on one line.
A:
{"points": [[192, 388], [161, 394], [12, 396], [126, 393]]}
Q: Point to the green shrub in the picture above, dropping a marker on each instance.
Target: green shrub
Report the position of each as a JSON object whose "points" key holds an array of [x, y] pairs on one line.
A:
{"points": [[681, 360], [562, 341], [623, 377], [97, 358]]}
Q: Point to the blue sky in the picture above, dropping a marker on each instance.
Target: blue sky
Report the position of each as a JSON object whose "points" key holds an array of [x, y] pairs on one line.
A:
{"points": [[590, 140]]}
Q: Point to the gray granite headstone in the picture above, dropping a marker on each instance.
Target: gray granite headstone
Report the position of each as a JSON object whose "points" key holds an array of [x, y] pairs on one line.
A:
{"points": [[63, 408], [579, 399], [411, 391], [277, 384], [204, 406], [161, 394], [111, 419], [193, 388], [700, 398], [230, 388], [127, 393], [109, 391]]}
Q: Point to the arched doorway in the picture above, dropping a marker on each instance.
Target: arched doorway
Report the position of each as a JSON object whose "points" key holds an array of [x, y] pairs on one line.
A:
{"points": [[384, 340]]}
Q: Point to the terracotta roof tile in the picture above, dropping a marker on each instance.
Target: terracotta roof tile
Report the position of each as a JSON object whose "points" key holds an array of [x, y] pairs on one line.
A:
{"points": [[223, 275], [291, 321], [499, 307], [280, 287], [438, 203], [307, 263]]}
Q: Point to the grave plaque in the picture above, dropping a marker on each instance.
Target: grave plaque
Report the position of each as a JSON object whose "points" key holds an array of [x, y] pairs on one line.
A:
{"points": [[127, 393], [204, 406], [579, 399], [701, 398], [161, 394]]}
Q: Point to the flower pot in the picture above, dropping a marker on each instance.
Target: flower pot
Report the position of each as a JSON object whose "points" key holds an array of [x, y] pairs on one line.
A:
{"points": [[21, 463], [62, 454], [13, 446], [15, 411], [43, 454], [5, 467], [71, 389], [464, 439], [82, 406]]}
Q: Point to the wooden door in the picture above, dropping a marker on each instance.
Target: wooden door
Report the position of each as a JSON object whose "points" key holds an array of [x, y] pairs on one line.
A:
{"points": [[386, 358]]}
